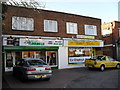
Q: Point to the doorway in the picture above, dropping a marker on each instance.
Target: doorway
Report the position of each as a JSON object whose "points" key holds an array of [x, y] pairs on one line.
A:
{"points": [[9, 61]]}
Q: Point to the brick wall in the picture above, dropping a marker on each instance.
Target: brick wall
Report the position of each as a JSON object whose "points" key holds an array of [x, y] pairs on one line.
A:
{"points": [[39, 17], [111, 51], [114, 32]]}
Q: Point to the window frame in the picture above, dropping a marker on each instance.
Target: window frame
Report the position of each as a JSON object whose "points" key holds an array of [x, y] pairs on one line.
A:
{"points": [[50, 28], [75, 26], [94, 33], [20, 25]]}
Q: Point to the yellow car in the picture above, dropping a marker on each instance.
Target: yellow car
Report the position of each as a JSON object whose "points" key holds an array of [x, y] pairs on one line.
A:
{"points": [[102, 62]]}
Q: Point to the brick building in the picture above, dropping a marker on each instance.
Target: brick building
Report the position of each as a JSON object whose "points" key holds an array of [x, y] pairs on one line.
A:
{"points": [[111, 34], [61, 39]]}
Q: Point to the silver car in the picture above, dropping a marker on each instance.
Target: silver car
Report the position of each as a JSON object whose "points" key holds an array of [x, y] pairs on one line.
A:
{"points": [[31, 68]]}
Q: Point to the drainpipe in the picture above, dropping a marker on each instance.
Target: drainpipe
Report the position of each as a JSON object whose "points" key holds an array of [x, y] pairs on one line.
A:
{"points": [[1, 45], [117, 51]]}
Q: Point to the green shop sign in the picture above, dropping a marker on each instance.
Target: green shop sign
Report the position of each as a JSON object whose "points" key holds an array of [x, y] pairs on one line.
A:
{"points": [[36, 42]]}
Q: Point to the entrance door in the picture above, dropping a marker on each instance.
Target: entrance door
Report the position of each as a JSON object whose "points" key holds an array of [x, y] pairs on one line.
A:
{"points": [[52, 58], [9, 61]]}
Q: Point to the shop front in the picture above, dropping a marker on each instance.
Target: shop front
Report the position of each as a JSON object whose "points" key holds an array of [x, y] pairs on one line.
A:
{"points": [[46, 50], [78, 50]]}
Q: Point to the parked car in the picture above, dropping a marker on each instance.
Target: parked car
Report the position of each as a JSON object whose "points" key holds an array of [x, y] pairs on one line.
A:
{"points": [[31, 68], [102, 62]]}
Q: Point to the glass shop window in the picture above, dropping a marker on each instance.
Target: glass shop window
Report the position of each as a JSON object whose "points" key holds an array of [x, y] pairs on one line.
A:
{"points": [[78, 55], [28, 54]]}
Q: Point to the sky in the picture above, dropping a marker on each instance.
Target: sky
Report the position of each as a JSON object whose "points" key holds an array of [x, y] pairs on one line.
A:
{"points": [[106, 10]]}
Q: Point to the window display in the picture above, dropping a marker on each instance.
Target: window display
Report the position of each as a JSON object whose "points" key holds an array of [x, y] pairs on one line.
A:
{"points": [[78, 55], [50, 57]]}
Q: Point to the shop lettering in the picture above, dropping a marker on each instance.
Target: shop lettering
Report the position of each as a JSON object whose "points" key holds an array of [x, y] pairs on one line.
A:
{"points": [[76, 59], [35, 43], [58, 43], [92, 43], [86, 43]]}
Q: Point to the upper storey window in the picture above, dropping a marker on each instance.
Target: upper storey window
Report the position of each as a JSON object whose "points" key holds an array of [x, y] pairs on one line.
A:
{"points": [[71, 28], [22, 23], [50, 26], [90, 30]]}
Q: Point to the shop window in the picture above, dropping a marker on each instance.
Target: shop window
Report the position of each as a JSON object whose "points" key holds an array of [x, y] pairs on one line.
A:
{"points": [[78, 55], [50, 26], [50, 57], [28, 54], [90, 30], [18, 56], [71, 28], [40, 55]]}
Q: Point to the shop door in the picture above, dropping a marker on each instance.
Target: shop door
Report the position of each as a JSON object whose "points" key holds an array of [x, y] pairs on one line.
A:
{"points": [[9, 61], [52, 60]]}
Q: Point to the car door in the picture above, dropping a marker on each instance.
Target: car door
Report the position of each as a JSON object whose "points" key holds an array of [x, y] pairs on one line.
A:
{"points": [[112, 62], [105, 61]]}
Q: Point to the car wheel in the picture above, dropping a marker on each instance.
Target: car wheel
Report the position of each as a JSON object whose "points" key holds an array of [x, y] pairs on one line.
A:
{"points": [[102, 68], [118, 66]]}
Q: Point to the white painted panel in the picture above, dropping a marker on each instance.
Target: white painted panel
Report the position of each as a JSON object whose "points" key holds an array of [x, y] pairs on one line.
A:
{"points": [[63, 59]]}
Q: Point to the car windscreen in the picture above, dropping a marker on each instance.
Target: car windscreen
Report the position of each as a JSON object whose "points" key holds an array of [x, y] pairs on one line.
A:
{"points": [[36, 62]]}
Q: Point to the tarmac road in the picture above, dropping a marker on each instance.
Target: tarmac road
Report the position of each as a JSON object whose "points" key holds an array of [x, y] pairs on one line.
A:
{"points": [[96, 79], [69, 78]]}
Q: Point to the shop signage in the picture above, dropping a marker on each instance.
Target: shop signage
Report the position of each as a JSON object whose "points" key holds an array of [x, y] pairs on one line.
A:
{"points": [[77, 60], [84, 43], [85, 36], [42, 42], [11, 41]]}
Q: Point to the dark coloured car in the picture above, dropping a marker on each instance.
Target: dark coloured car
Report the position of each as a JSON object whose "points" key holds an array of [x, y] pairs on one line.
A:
{"points": [[32, 68]]}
